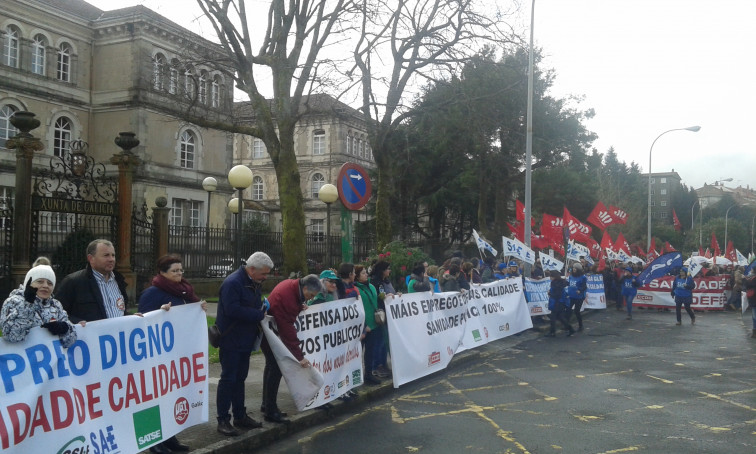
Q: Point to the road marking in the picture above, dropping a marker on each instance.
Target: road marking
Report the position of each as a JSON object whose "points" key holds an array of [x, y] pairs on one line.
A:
{"points": [[663, 380]]}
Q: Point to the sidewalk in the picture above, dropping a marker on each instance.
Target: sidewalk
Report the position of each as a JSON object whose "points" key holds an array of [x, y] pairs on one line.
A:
{"points": [[204, 438]]}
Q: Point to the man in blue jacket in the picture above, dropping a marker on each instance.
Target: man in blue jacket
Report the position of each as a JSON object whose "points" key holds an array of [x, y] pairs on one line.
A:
{"points": [[682, 292], [240, 310]]}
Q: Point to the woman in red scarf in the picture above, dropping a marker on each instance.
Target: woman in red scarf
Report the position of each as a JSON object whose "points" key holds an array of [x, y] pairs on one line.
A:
{"points": [[169, 288]]}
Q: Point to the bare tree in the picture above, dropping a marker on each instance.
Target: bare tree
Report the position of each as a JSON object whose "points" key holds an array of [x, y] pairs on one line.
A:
{"points": [[287, 63], [404, 43]]}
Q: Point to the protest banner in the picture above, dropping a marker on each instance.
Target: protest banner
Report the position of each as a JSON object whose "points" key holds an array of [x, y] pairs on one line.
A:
{"points": [[427, 329], [595, 297], [709, 293], [537, 295], [329, 336], [126, 384]]}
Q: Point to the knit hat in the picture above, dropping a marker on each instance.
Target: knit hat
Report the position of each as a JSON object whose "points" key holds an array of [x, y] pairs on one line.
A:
{"points": [[328, 274], [40, 272], [512, 264]]}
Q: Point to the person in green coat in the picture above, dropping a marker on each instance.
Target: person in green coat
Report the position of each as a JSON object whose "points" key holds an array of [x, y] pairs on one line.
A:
{"points": [[329, 293], [371, 334]]}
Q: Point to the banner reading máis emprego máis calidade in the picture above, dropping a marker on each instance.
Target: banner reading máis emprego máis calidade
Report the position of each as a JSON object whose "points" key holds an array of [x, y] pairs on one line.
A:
{"points": [[427, 329], [125, 385]]}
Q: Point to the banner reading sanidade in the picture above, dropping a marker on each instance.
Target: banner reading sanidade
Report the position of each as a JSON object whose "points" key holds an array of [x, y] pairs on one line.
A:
{"points": [[426, 329], [125, 385]]}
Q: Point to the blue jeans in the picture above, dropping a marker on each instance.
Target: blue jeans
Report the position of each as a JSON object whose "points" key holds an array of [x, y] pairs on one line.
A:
{"points": [[371, 344], [683, 301], [234, 370], [629, 304]]}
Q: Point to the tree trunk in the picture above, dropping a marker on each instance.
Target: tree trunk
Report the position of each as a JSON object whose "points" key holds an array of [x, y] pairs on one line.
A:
{"points": [[292, 207], [382, 213]]}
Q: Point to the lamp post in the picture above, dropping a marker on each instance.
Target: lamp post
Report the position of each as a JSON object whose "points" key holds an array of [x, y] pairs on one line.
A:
{"points": [[726, 214], [328, 194], [529, 137], [689, 128], [240, 178], [209, 184]]}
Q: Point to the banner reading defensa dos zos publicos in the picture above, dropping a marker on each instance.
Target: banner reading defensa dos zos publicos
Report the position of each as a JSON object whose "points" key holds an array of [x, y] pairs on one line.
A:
{"points": [[125, 385]]}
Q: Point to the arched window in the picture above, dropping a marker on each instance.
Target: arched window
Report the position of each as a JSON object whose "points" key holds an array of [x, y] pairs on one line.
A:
{"points": [[257, 188], [215, 92], [173, 77], [258, 148], [187, 149], [361, 151], [61, 136], [7, 130], [317, 181], [318, 142], [189, 83], [10, 46], [39, 46], [64, 63], [349, 141], [158, 69], [202, 86]]}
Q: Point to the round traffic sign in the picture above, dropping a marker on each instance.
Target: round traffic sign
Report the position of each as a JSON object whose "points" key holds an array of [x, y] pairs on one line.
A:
{"points": [[354, 186]]}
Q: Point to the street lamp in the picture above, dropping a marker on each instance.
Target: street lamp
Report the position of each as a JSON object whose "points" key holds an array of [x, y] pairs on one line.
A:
{"points": [[726, 214], [209, 184], [240, 178], [328, 194], [689, 128]]}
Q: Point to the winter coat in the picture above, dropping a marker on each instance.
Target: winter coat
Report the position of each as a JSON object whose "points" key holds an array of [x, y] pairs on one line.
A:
{"points": [[19, 316], [577, 286], [683, 287], [240, 310]]}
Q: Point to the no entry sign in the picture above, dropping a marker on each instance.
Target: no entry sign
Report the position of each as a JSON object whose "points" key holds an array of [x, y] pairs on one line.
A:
{"points": [[354, 186]]}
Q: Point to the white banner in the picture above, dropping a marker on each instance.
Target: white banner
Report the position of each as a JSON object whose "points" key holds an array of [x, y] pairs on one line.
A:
{"points": [[125, 385], [595, 297], [516, 248], [709, 293], [426, 329], [537, 295], [329, 335], [576, 250], [549, 263]]}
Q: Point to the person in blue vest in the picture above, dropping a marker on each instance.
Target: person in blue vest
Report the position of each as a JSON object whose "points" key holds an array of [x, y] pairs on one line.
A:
{"points": [[559, 303], [501, 271], [629, 286], [578, 284], [682, 292]]}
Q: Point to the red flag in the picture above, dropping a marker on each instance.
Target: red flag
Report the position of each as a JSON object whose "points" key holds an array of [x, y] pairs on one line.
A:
{"points": [[618, 215], [594, 247], [520, 209], [639, 250], [517, 230], [578, 230], [600, 216], [715, 245], [551, 228], [652, 248], [707, 254], [621, 245], [700, 251], [676, 221], [557, 246], [730, 253], [606, 241], [668, 248], [538, 241]]}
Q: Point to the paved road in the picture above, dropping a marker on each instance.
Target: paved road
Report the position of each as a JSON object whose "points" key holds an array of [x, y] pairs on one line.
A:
{"points": [[643, 386]]}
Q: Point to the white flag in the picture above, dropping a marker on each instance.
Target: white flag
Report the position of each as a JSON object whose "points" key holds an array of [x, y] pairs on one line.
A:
{"points": [[550, 263], [742, 260], [483, 244], [516, 248]]}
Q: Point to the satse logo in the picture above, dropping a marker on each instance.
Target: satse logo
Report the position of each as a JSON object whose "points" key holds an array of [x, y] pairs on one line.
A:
{"points": [[147, 427]]}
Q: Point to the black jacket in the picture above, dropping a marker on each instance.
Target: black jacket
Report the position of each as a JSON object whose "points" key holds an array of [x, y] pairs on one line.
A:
{"points": [[81, 296]]}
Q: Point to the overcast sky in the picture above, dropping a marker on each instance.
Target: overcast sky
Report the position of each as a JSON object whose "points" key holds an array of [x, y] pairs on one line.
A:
{"points": [[645, 66]]}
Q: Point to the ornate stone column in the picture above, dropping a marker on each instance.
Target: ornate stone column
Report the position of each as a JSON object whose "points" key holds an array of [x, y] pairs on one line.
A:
{"points": [[127, 163], [25, 145]]}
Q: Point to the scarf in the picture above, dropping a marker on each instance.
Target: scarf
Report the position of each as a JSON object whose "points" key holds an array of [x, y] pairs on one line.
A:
{"points": [[181, 289]]}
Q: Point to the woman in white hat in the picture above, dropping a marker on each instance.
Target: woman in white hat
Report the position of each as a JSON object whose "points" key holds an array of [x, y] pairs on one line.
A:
{"points": [[32, 305]]}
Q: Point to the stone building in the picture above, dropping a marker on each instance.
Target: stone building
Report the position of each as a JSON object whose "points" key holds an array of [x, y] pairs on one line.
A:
{"points": [[89, 74]]}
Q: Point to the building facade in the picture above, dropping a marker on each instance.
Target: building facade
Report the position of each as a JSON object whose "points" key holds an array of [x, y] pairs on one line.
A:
{"points": [[664, 187], [89, 74]]}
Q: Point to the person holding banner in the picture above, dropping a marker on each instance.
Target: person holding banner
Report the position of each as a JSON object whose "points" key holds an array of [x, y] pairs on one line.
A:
{"points": [[558, 303], [240, 310], [418, 279], [346, 286], [380, 274], [330, 288], [169, 288], [287, 300], [578, 285], [682, 292], [32, 305], [629, 286], [371, 334]]}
